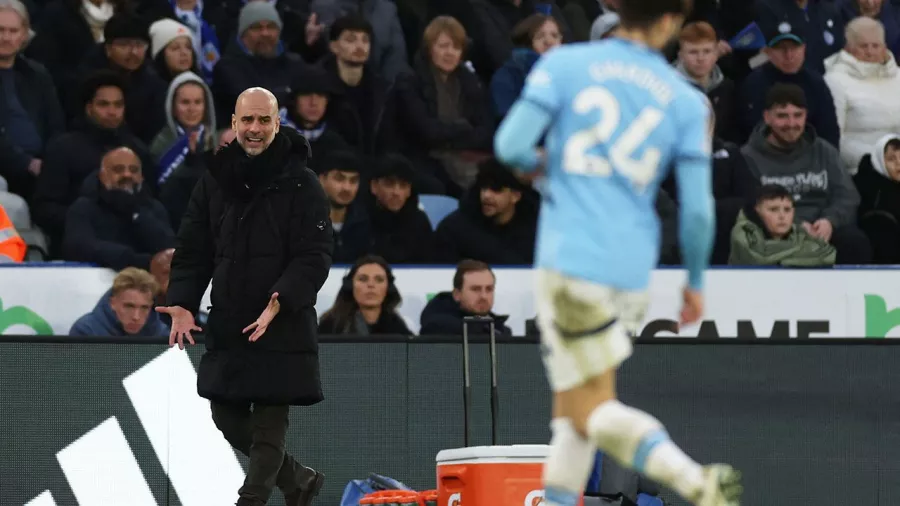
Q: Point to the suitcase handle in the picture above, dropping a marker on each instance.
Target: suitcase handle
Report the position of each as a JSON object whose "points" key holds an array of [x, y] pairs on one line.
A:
{"points": [[467, 382]]}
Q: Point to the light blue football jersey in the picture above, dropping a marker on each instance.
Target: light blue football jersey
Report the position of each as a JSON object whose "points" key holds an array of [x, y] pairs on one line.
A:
{"points": [[621, 117]]}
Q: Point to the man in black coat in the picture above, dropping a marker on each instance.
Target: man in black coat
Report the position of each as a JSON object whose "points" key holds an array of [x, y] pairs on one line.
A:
{"points": [[116, 223], [257, 225]]}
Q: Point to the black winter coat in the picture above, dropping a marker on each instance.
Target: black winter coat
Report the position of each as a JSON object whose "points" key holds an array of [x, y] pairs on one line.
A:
{"points": [[115, 230], [239, 70], [145, 94], [419, 105], [256, 226], [443, 316], [365, 116], [466, 233], [68, 160]]}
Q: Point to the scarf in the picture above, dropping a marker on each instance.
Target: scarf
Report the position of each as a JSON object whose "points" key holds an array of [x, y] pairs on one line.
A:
{"points": [[311, 134], [206, 42], [175, 155], [97, 17], [239, 175]]}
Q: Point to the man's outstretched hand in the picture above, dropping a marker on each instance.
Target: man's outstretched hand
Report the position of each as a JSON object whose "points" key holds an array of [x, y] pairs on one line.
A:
{"points": [[262, 323], [182, 324]]}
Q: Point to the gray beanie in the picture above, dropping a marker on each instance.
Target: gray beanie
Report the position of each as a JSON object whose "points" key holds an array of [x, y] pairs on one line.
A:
{"points": [[256, 11]]}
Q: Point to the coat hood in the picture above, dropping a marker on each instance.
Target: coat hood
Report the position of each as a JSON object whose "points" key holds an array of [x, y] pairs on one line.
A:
{"points": [[877, 154], [105, 318], [209, 117]]}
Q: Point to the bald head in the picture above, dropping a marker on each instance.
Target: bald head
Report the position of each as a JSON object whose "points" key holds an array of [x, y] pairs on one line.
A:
{"points": [[120, 169], [256, 96], [255, 121]]}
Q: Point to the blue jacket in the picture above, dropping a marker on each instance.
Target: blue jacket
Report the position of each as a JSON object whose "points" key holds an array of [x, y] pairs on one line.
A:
{"points": [[821, 113], [102, 321], [508, 81]]}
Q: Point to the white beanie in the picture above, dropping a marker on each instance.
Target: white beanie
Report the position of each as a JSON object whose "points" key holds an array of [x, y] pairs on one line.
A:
{"points": [[165, 31]]}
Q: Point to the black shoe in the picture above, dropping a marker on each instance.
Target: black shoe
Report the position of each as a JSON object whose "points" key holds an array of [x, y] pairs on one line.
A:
{"points": [[310, 486], [243, 501]]}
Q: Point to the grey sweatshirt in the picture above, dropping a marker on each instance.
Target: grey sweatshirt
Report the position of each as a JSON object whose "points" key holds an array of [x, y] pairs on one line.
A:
{"points": [[811, 170]]}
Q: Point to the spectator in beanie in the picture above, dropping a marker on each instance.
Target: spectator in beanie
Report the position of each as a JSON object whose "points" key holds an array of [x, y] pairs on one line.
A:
{"points": [[74, 155], [496, 221], [444, 107], [885, 11], [400, 231], [786, 50], [172, 49], [124, 51], [532, 37], [864, 80], [472, 295], [126, 309], [363, 109], [697, 56], [786, 152], [817, 23], [305, 111], [367, 302], [388, 54], [339, 174], [116, 223], [878, 182], [181, 148], [255, 58], [67, 32], [207, 22], [30, 113], [302, 31]]}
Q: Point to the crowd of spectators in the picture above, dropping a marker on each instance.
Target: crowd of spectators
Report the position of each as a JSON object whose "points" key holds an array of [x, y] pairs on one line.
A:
{"points": [[109, 110]]}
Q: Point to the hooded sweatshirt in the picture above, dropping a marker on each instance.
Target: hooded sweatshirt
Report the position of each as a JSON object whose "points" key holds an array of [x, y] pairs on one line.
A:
{"points": [[811, 170], [866, 102], [878, 191], [102, 321], [722, 95], [171, 133]]}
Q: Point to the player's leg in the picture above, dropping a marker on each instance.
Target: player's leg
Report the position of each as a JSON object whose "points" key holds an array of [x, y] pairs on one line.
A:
{"points": [[585, 342], [571, 456]]}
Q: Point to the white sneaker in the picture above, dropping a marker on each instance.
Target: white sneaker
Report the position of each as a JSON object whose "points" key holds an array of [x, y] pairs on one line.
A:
{"points": [[721, 486]]}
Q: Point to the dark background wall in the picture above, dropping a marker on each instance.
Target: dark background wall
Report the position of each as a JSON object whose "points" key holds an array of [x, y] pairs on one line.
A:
{"points": [[812, 424]]}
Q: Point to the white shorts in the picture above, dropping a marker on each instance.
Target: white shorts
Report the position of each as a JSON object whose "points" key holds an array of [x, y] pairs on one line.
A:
{"points": [[584, 327]]}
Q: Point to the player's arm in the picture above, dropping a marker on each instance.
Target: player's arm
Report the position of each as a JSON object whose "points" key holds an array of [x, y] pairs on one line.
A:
{"points": [[693, 173], [517, 138], [515, 143]]}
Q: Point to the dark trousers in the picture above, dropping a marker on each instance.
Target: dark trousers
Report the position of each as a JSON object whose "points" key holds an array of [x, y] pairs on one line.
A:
{"points": [[259, 434], [852, 246]]}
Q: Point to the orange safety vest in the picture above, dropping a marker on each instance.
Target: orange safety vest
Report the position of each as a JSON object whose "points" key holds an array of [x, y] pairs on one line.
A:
{"points": [[11, 244]]}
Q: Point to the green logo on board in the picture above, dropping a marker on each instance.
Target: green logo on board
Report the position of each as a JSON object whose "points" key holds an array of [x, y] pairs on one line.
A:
{"points": [[879, 319], [21, 315]]}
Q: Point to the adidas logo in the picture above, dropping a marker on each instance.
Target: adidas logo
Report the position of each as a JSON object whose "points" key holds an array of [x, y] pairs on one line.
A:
{"points": [[102, 470]]}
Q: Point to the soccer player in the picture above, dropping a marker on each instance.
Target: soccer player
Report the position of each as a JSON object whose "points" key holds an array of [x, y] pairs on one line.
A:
{"points": [[616, 115]]}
